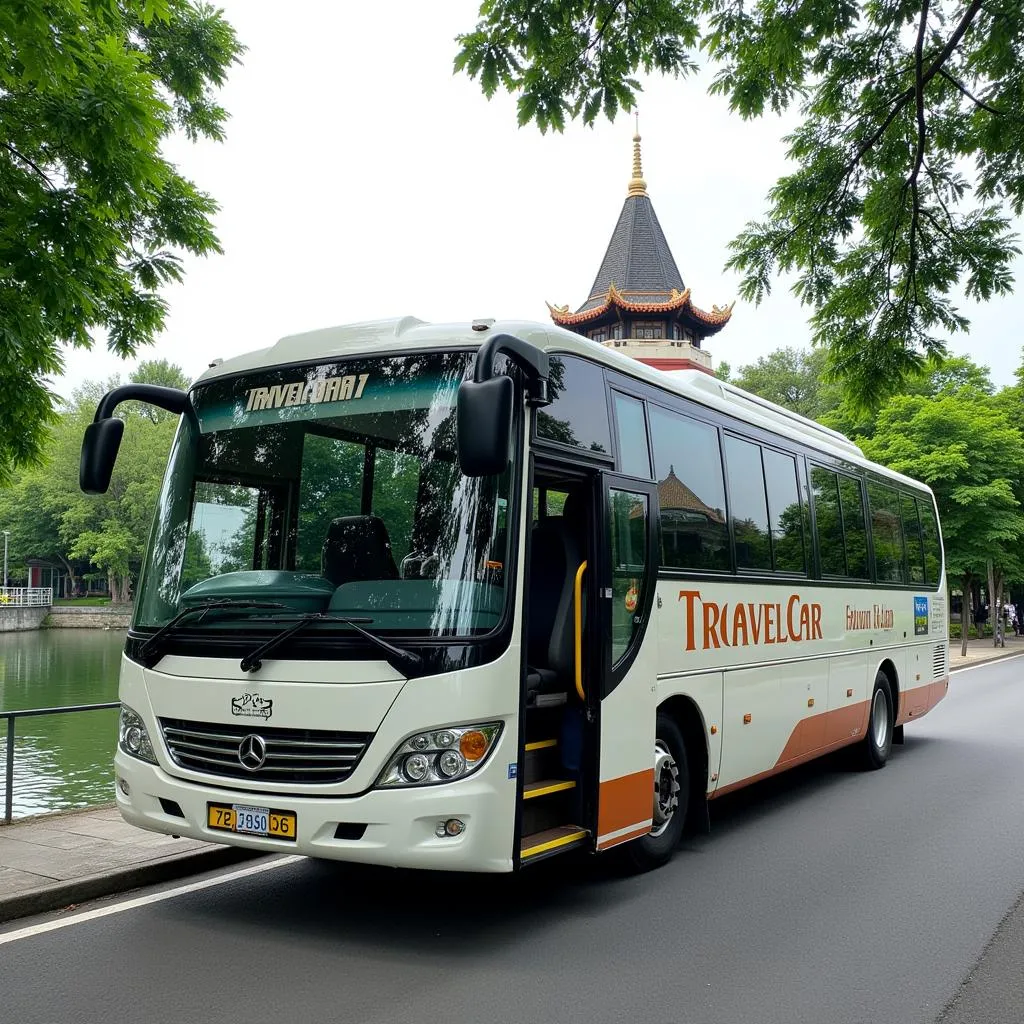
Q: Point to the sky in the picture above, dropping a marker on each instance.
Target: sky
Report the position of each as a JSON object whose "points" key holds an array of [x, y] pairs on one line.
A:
{"points": [[361, 179]]}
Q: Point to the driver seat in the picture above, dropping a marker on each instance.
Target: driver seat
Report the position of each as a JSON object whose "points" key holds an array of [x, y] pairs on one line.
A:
{"points": [[357, 548]]}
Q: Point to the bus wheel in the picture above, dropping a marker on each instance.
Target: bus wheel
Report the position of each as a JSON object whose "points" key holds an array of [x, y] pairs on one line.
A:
{"points": [[877, 744], [671, 799]]}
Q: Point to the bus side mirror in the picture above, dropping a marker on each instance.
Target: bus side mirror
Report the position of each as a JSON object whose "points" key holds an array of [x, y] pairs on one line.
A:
{"points": [[99, 453], [484, 425]]}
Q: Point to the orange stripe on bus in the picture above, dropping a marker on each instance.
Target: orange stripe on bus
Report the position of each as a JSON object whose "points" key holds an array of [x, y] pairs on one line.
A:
{"points": [[624, 801], [634, 834], [839, 731], [921, 699]]}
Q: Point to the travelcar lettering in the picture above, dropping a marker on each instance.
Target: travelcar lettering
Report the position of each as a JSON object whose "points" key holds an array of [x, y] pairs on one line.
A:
{"points": [[252, 705], [330, 389], [747, 622]]}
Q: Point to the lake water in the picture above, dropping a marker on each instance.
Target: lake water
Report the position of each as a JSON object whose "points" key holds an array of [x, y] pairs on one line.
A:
{"points": [[61, 761]]}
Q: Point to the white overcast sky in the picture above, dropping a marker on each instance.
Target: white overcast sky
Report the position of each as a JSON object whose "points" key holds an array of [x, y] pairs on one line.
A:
{"points": [[361, 179]]}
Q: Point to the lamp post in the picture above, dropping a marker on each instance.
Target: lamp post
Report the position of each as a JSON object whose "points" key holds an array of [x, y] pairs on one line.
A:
{"points": [[6, 534]]}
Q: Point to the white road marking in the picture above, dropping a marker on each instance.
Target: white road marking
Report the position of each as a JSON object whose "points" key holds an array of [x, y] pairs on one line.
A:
{"points": [[987, 664], [142, 901]]}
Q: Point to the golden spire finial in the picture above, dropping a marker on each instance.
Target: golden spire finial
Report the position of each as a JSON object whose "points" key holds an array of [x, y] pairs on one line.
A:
{"points": [[637, 185]]}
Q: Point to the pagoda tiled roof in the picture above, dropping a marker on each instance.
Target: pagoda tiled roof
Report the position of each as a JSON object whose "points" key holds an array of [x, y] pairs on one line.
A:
{"points": [[638, 274], [674, 494]]}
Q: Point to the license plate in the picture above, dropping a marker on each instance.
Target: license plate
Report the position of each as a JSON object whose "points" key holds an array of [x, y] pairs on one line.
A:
{"points": [[251, 821]]}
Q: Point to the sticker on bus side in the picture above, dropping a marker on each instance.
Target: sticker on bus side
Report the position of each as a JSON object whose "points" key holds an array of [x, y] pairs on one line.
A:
{"points": [[920, 616]]}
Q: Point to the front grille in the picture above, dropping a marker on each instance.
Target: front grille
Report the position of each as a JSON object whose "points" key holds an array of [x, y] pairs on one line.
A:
{"points": [[939, 662], [306, 756]]}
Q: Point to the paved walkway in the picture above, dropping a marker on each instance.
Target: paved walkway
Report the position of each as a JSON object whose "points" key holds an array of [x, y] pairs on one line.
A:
{"points": [[57, 860], [979, 651]]}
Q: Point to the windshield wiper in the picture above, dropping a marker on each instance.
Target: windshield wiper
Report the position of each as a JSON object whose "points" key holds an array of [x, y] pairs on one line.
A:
{"points": [[150, 653], [400, 660]]}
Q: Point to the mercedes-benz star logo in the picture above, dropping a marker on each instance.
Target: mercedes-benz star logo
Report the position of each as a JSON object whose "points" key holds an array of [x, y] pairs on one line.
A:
{"points": [[252, 752]]}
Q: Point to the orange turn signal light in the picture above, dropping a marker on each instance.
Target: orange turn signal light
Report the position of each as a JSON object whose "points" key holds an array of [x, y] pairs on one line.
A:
{"points": [[473, 745]]}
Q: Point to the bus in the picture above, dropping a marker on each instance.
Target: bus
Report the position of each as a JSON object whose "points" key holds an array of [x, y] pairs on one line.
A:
{"points": [[466, 597]]}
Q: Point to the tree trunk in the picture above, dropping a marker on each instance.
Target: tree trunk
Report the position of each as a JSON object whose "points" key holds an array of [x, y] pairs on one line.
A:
{"points": [[965, 614], [118, 588], [1001, 603], [71, 573], [993, 608]]}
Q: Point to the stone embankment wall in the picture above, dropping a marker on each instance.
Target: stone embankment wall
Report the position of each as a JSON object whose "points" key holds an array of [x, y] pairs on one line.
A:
{"points": [[14, 620], [88, 617]]}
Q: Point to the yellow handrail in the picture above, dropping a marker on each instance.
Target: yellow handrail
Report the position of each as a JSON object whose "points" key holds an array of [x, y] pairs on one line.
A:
{"points": [[578, 623]]}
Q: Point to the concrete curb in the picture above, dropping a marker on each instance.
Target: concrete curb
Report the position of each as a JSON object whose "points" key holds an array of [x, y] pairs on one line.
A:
{"points": [[970, 663], [89, 887]]}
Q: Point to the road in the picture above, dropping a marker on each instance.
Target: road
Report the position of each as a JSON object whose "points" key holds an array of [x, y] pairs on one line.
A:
{"points": [[827, 896]]}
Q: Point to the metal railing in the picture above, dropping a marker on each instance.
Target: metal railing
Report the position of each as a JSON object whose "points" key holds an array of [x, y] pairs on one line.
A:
{"points": [[26, 597], [12, 717]]}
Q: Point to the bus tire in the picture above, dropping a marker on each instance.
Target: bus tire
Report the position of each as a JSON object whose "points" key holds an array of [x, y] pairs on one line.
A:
{"points": [[877, 745], [671, 799]]}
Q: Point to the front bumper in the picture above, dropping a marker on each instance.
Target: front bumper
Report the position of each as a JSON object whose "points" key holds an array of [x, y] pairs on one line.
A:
{"points": [[400, 823]]}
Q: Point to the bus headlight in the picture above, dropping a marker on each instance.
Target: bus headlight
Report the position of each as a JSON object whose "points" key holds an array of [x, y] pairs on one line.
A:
{"points": [[440, 755], [133, 738]]}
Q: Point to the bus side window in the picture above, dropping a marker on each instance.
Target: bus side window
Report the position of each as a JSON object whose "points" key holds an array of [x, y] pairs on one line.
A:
{"points": [[914, 538], [932, 548], [634, 459], [788, 547], [748, 504], [578, 413], [887, 534], [855, 531], [691, 492], [829, 523]]}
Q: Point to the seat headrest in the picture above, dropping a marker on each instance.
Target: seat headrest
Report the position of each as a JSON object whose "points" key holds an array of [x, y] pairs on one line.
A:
{"points": [[358, 548]]}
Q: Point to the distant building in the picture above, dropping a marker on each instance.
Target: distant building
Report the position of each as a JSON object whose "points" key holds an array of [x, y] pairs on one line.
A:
{"points": [[638, 302]]}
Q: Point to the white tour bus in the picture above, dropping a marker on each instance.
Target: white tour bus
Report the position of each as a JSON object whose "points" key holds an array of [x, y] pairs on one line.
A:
{"points": [[468, 596]]}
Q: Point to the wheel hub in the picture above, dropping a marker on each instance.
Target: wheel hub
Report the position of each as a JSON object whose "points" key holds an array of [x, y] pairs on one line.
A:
{"points": [[666, 787], [880, 719]]}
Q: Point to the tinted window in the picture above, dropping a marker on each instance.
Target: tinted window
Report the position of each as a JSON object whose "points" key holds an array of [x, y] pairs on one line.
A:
{"points": [[634, 459], [628, 525], [691, 492], [330, 487], [222, 532], [932, 548], [784, 512], [851, 493], [912, 535], [887, 534], [577, 415], [828, 521], [747, 504]]}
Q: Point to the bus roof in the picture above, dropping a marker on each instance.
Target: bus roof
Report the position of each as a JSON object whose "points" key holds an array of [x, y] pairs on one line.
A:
{"points": [[409, 334]]}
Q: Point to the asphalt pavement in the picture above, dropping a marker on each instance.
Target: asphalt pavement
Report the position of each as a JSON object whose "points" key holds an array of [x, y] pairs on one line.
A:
{"points": [[825, 896]]}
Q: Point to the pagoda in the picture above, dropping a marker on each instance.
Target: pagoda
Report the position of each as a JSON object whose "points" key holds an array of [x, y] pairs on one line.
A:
{"points": [[638, 303]]}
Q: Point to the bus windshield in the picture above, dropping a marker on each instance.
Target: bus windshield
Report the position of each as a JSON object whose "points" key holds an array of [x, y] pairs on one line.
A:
{"points": [[330, 488]]}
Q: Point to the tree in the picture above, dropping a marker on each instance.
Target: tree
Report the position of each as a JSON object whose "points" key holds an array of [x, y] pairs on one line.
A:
{"points": [[94, 217], [793, 378], [49, 517], [963, 446], [909, 155]]}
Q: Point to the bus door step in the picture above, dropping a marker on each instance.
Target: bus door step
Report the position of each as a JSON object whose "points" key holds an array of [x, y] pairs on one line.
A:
{"points": [[550, 842]]}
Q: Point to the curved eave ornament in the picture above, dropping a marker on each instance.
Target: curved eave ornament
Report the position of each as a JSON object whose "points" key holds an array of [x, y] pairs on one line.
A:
{"points": [[614, 299]]}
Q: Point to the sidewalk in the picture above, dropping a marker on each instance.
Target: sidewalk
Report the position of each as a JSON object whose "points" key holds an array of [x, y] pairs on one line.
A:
{"points": [[57, 860], [980, 651]]}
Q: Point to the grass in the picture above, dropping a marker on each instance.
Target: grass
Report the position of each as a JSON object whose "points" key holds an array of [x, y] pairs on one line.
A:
{"points": [[82, 602]]}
